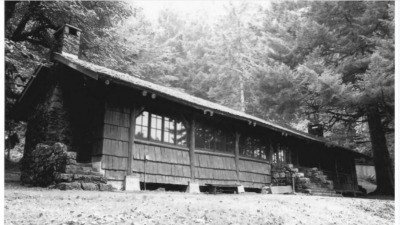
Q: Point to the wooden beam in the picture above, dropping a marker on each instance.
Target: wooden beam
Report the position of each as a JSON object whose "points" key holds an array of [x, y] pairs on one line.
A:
{"points": [[191, 148], [237, 136], [131, 139]]}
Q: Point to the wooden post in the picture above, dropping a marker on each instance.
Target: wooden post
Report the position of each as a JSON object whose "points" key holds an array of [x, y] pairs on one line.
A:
{"points": [[354, 174], [237, 135], [191, 148], [337, 173], [131, 139]]}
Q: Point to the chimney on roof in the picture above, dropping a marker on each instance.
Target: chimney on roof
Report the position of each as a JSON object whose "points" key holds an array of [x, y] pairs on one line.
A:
{"points": [[316, 129], [67, 39]]}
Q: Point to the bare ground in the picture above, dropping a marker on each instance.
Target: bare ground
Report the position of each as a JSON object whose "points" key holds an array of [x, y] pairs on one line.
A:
{"points": [[25, 205]]}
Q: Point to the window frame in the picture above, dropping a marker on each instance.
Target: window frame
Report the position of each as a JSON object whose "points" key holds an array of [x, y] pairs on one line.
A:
{"points": [[256, 143], [222, 136], [150, 128]]}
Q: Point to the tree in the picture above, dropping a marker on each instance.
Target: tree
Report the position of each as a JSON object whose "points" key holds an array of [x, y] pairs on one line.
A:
{"points": [[29, 29], [343, 71]]}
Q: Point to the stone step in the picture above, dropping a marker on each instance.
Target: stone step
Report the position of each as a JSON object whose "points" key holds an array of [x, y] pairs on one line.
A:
{"points": [[80, 178], [83, 186], [321, 189], [326, 194], [75, 169]]}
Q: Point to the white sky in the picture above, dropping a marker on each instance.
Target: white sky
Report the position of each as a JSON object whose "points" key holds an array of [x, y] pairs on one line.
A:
{"points": [[214, 8]]}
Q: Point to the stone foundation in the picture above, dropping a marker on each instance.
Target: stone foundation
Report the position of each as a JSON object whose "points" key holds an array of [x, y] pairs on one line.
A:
{"points": [[55, 166]]}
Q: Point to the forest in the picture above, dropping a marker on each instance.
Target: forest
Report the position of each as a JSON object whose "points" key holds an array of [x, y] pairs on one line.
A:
{"points": [[293, 63]]}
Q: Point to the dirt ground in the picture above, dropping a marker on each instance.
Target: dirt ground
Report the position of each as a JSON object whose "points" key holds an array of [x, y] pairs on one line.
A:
{"points": [[25, 205]]}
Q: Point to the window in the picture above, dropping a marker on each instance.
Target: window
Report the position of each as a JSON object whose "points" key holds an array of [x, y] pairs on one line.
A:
{"points": [[142, 125], [180, 134], [160, 128], [279, 155], [169, 130], [209, 138], [252, 146], [156, 128]]}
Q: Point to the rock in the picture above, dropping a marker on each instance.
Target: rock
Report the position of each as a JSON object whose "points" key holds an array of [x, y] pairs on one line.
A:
{"points": [[307, 191], [69, 186], [299, 175], [105, 187], [160, 189], [314, 169], [62, 177], [89, 187], [89, 179], [71, 155], [303, 180], [43, 165]]}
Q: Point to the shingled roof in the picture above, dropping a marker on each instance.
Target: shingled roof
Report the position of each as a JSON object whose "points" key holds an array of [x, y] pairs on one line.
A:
{"points": [[95, 71]]}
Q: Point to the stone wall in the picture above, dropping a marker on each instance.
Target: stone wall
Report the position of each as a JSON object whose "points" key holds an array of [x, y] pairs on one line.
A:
{"points": [[64, 114], [47, 125], [45, 161]]}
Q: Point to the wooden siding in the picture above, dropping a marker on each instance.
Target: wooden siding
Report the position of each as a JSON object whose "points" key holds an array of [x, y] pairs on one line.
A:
{"points": [[254, 174], [165, 164], [113, 139]]}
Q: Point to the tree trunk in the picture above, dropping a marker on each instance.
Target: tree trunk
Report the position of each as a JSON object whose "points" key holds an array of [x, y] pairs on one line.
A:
{"points": [[241, 90], [381, 157]]}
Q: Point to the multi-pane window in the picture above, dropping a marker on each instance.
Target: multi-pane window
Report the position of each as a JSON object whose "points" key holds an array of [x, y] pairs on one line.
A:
{"points": [[169, 130], [160, 128], [252, 146], [213, 139], [156, 127], [279, 155], [141, 129], [180, 134]]}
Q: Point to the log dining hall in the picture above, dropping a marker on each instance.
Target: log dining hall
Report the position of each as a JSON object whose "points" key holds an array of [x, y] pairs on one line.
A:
{"points": [[125, 127]]}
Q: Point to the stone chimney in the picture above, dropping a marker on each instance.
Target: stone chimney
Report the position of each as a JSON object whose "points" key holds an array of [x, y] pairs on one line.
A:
{"points": [[316, 129], [67, 39]]}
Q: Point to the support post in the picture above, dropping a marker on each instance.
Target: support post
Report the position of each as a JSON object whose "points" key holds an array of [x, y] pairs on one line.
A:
{"points": [[337, 173], [237, 136], [192, 187], [131, 139], [191, 148]]}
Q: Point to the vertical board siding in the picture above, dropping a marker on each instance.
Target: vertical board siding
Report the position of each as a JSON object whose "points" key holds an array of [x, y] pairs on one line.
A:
{"points": [[161, 154], [115, 148], [254, 174], [165, 165], [116, 118], [113, 163], [255, 167], [116, 132], [213, 169], [114, 138]]}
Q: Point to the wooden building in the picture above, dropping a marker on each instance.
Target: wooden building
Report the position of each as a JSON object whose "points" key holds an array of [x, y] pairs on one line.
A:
{"points": [[124, 126]]}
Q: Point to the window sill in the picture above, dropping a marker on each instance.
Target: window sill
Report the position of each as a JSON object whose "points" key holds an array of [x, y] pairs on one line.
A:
{"points": [[214, 153], [254, 159], [160, 144]]}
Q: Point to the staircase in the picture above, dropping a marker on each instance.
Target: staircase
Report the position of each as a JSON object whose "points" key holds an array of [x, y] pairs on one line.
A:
{"points": [[81, 176], [314, 182]]}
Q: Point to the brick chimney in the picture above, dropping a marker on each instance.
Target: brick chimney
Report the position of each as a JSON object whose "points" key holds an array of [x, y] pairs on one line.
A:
{"points": [[67, 39], [316, 129]]}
